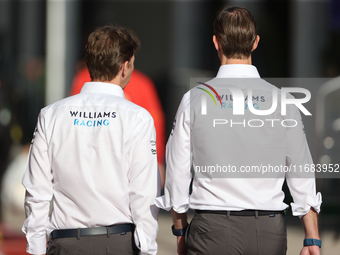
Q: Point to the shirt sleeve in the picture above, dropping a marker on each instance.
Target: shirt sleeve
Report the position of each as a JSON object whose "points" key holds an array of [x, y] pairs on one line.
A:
{"points": [[39, 191], [142, 91], [144, 187], [178, 162], [301, 184]]}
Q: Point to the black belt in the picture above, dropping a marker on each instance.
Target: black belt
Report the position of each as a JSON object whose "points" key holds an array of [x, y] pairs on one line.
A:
{"points": [[114, 229], [242, 213]]}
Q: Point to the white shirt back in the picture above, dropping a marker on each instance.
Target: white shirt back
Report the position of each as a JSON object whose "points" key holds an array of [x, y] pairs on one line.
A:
{"points": [[95, 154], [238, 145]]}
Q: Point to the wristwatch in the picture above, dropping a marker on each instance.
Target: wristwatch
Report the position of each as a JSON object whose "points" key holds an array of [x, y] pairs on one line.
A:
{"points": [[311, 241], [179, 232]]}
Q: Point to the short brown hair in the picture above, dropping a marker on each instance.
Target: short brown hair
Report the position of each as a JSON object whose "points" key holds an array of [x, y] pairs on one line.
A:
{"points": [[107, 49], [236, 31]]}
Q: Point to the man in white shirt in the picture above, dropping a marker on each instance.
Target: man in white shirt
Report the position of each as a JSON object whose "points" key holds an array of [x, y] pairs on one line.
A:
{"points": [[95, 154], [237, 212]]}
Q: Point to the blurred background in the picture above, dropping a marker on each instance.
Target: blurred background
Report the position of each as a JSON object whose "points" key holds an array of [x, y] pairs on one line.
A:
{"points": [[41, 54]]}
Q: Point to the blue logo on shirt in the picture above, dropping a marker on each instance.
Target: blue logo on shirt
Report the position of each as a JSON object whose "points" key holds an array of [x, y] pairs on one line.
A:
{"points": [[92, 119]]}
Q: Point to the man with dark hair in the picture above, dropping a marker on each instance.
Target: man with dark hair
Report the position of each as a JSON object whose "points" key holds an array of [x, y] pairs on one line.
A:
{"points": [[236, 212], [95, 154], [236, 31], [107, 49]]}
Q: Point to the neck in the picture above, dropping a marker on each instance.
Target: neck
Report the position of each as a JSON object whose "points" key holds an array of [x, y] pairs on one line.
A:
{"points": [[233, 61], [115, 81]]}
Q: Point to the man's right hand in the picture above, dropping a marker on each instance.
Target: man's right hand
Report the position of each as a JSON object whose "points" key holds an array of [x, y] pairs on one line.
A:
{"points": [[181, 246], [310, 250]]}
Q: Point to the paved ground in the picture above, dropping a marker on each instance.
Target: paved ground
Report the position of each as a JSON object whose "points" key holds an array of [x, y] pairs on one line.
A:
{"points": [[167, 242]]}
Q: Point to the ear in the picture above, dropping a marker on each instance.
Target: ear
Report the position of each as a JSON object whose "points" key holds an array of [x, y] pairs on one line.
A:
{"points": [[256, 43], [216, 43], [124, 68]]}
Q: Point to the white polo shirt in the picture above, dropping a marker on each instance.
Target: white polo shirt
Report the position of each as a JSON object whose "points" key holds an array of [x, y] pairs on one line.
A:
{"points": [[237, 147], [95, 154]]}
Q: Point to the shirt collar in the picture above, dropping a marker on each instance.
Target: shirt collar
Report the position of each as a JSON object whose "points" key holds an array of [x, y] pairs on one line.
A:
{"points": [[103, 87], [238, 70]]}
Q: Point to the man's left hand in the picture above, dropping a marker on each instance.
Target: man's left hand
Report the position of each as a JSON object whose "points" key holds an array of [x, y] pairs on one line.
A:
{"points": [[310, 250]]}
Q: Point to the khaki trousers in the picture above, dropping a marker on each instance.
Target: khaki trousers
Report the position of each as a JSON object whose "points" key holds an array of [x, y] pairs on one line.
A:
{"points": [[94, 245], [217, 234]]}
